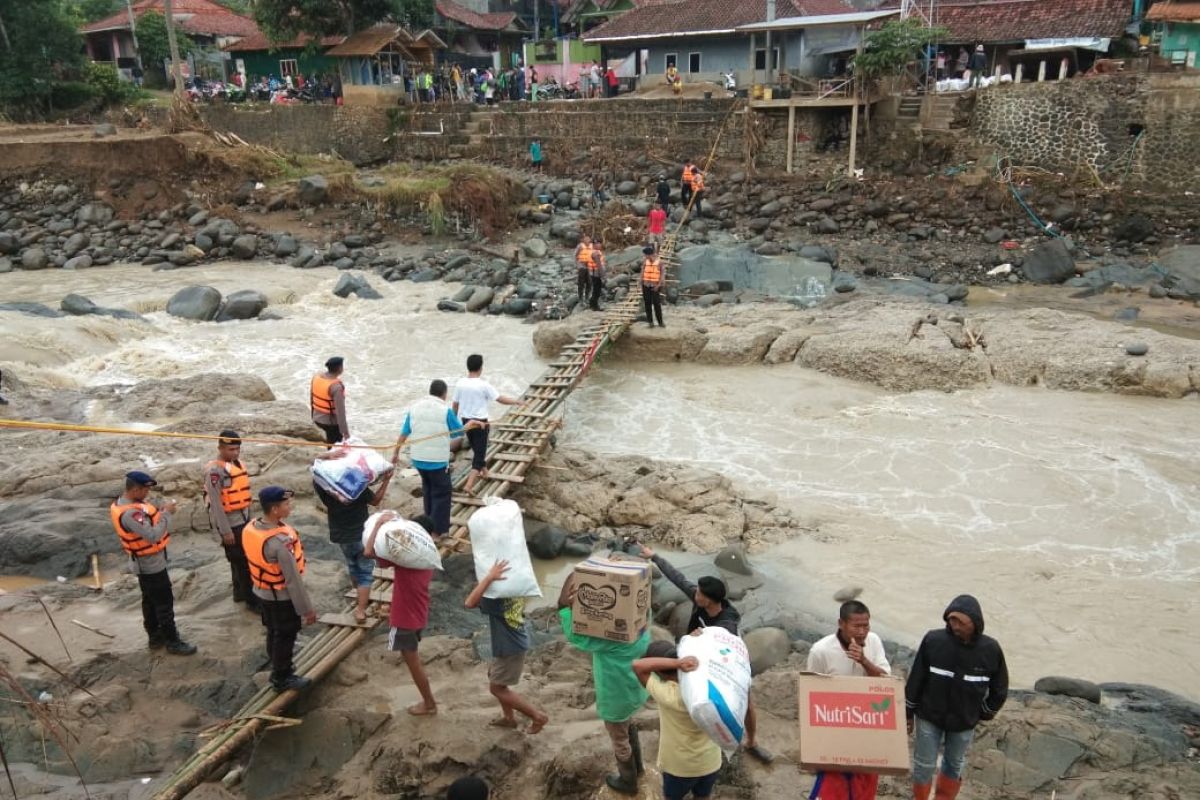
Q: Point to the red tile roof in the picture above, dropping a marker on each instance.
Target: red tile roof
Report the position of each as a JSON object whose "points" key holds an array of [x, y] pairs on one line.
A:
{"points": [[1017, 20], [1174, 12], [205, 17], [664, 18], [259, 41], [472, 19]]}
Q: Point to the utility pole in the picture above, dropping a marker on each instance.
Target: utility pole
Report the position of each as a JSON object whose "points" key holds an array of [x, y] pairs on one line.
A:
{"points": [[176, 70]]}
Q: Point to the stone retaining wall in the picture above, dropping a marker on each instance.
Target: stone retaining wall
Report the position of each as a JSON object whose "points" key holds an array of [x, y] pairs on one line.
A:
{"points": [[1143, 127]]}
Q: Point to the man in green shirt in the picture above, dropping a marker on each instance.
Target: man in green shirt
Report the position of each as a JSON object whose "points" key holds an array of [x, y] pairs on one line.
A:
{"points": [[619, 693]]}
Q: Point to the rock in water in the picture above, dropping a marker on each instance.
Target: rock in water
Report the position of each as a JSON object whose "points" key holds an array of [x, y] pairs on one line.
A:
{"points": [[245, 246], [195, 302], [78, 305], [350, 283], [481, 298], [547, 542], [1050, 262], [34, 258], [314, 190], [450, 305], [768, 647], [246, 304], [1070, 687]]}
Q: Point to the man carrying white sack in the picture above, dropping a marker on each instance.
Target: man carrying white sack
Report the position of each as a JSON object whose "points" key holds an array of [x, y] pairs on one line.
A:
{"points": [[852, 651], [688, 759]]}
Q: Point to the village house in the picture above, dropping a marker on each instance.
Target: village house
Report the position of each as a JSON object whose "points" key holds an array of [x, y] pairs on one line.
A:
{"points": [[207, 22], [374, 63], [478, 39], [306, 55], [1176, 28]]}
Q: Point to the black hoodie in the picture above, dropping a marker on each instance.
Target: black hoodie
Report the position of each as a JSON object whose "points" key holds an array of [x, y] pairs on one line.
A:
{"points": [[954, 684]]}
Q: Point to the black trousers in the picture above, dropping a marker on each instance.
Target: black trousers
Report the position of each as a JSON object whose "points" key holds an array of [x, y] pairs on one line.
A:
{"points": [[582, 280], [652, 297], [597, 287], [239, 569], [333, 434], [435, 495], [158, 606], [477, 438], [665, 200], [685, 194], [283, 625]]}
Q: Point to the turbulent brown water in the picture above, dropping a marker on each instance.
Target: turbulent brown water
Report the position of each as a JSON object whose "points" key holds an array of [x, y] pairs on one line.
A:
{"points": [[1074, 518]]}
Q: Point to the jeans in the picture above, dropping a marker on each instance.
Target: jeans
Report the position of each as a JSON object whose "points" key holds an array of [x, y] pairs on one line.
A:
{"points": [[361, 568], [928, 740], [158, 606], [283, 625], [435, 496], [239, 569]]}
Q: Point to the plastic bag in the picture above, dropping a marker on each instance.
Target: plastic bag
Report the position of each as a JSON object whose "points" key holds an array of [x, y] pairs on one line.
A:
{"points": [[351, 471], [717, 693], [403, 542], [498, 533]]}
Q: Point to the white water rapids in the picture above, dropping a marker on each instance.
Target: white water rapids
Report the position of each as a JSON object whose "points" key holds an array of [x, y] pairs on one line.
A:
{"points": [[1074, 518]]}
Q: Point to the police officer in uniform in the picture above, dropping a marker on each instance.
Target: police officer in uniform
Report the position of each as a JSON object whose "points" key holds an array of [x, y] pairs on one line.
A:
{"points": [[144, 531], [653, 280], [227, 492], [276, 559]]}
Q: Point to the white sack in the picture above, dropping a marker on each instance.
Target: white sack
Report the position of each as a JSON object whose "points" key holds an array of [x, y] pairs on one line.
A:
{"points": [[717, 693], [403, 542], [352, 471], [498, 533]]}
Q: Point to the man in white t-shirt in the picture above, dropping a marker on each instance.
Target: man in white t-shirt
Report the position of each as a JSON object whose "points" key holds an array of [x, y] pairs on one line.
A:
{"points": [[472, 395], [855, 651]]}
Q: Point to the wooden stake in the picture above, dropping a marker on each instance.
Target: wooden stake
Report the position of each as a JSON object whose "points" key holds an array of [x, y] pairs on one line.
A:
{"points": [[97, 584], [87, 627]]}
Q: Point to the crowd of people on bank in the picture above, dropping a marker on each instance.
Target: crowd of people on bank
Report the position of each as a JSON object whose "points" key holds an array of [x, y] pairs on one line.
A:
{"points": [[958, 677]]}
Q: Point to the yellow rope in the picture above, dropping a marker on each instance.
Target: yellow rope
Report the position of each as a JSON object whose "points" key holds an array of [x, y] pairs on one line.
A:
{"points": [[68, 427]]}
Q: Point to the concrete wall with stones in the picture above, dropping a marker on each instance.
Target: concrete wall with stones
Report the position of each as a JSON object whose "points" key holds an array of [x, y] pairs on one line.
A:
{"points": [[1082, 124]]}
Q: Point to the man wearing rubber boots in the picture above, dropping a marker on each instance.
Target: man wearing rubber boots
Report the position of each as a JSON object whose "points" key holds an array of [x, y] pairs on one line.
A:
{"points": [[276, 558], [227, 493], [958, 679], [144, 531]]}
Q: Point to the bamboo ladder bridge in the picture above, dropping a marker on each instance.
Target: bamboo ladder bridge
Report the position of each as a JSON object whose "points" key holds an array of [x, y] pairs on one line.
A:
{"points": [[517, 441]]}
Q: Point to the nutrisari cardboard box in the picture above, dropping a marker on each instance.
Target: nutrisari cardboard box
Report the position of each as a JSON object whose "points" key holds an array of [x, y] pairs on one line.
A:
{"points": [[612, 599], [853, 724]]}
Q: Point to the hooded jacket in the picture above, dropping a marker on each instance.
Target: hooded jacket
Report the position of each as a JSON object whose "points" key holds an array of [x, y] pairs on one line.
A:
{"points": [[955, 684]]}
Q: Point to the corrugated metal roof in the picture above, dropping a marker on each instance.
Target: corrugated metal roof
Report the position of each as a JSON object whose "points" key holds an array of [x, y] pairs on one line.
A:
{"points": [[820, 20]]}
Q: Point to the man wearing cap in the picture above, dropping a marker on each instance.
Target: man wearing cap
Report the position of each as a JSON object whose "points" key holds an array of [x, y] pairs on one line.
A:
{"points": [[276, 559], [432, 423], [327, 397], [144, 531], [710, 608], [653, 279], [227, 493]]}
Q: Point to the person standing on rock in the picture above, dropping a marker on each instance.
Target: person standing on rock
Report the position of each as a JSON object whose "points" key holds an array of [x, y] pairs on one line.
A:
{"points": [[853, 651], [346, 521], [656, 224], [619, 694], [685, 180], [433, 423], [663, 190], [978, 65], [409, 614], [276, 557], [688, 759], [583, 263], [958, 679], [653, 279], [698, 192], [596, 276], [327, 397], [144, 531], [535, 154], [472, 395], [509, 633], [709, 609], [227, 493]]}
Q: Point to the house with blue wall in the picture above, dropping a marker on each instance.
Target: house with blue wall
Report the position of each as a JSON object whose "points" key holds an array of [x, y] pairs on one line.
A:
{"points": [[1177, 31]]}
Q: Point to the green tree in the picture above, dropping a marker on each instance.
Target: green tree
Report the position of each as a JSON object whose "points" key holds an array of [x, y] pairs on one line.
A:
{"points": [[92, 10], [153, 44], [283, 20], [888, 50], [40, 48]]}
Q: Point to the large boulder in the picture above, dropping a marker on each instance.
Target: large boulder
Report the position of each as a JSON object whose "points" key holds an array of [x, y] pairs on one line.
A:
{"points": [[480, 298], [742, 268], [34, 258], [93, 214], [768, 647], [353, 283], [1183, 261], [75, 243], [244, 246], [198, 303], [1050, 262], [535, 247], [313, 190], [1069, 687], [547, 542], [246, 304], [78, 305]]}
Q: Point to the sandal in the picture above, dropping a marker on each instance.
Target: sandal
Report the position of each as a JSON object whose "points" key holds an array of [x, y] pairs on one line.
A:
{"points": [[761, 753]]}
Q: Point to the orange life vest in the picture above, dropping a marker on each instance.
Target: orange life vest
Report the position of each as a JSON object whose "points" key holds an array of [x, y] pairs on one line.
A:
{"points": [[236, 495], [267, 574], [596, 259], [322, 395], [584, 256], [698, 181], [132, 543], [689, 175], [652, 270]]}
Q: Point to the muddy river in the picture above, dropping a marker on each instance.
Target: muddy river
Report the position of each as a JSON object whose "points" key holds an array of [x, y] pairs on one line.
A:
{"points": [[1074, 518]]}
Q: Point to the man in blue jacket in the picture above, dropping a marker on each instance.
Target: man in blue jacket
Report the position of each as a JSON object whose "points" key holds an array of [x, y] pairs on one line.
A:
{"points": [[958, 678]]}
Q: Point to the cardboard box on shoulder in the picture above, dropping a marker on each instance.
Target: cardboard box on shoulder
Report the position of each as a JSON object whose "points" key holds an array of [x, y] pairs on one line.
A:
{"points": [[853, 724], [612, 599]]}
